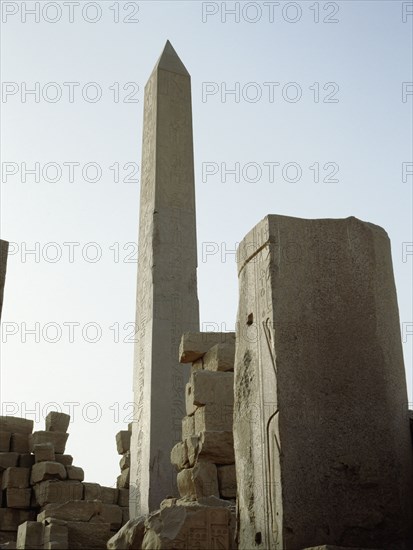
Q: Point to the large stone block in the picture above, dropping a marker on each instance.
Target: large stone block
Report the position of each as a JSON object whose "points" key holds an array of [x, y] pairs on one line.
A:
{"points": [[123, 480], [84, 511], [179, 456], [53, 491], [199, 481], [56, 535], [18, 498], [5, 442], [42, 471], [88, 535], [10, 519], [19, 443], [66, 460], [220, 357], [26, 460], [213, 388], [323, 449], [44, 452], [188, 427], [123, 497], [94, 491], [8, 460], [57, 439], [75, 472], [123, 441], [214, 417], [15, 477], [130, 536], [30, 535], [57, 422], [190, 406], [216, 447], [16, 425], [125, 461], [227, 481], [194, 345]]}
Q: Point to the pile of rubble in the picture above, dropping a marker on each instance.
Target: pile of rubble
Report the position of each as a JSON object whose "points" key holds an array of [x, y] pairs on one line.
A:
{"points": [[45, 502]]}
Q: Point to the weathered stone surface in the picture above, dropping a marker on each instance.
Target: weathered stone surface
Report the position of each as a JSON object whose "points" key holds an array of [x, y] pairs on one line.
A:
{"points": [[15, 477], [123, 497], [44, 452], [214, 417], [179, 456], [125, 461], [125, 515], [10, 518], [188, 427], [56, 535], [4, 250], [213, 388], [19, 443], [57, 422], [53, 491], [109, 495], [8, 460], [91, 491], [197, 365], [86, 511], [18, 497], [5, 442], [217, 447], [318, 354], [75, 472], [220, 357], [192, 444], [167, 302], [227, 481], [189, 526], [123, 480], [66, 460], [130, 536], [190, 406], [194, 345], [57, 439], [199, 481], [123, 441], [26, 460], [16, 425], [88, 535], [42, 471], [30, 535]]}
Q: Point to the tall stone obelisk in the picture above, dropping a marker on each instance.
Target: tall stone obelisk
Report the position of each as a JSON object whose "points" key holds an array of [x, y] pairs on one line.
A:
{"points": [[4, 248], [167, 301]]}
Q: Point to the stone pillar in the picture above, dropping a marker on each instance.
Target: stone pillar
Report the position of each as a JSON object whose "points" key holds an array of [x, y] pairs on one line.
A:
{"points": [[321, 433], [167, 302], [4, 248]]}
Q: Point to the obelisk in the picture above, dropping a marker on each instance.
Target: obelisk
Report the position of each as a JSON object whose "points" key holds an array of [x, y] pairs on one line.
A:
{"points": [[167, 301], [4, 248]]}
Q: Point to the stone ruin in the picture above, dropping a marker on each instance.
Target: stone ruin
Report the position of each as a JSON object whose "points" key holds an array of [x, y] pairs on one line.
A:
{"points": [[293, 433]]}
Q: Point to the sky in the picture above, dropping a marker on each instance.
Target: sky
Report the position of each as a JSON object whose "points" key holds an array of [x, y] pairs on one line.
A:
{"points": [[299, 108]]}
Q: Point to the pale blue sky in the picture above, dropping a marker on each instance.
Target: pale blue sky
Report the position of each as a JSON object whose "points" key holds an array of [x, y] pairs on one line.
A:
{"points": [[367, 133]]}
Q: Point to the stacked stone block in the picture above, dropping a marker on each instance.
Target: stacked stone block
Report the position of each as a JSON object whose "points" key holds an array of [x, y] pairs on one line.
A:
{"points": [[123, 439], [205, 456]]}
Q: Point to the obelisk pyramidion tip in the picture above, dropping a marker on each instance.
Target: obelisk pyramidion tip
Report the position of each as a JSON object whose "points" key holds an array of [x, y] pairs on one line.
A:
{"points": [[170, 61]]}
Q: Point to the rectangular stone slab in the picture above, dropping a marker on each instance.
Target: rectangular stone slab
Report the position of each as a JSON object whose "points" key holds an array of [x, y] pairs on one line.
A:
{"points": [[195, 345], [16, 425], [322, 441]]}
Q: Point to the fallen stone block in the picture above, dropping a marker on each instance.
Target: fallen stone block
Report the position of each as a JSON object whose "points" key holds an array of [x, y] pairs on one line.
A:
{"points": [[26, 460], [53, 491], [220, 357], [15, 477], [130, 535], [188, 427], [18, 498], [84, 511], [57, 439], [227, 481], [19, 443], [123, 497], [8, 460], [66, 460], [212, 387], [75, 472], [214, 417], [30, 535], [123, 480], [199, 481], [44, 452], [194, 345], [88, 535], [10, 518], [42, 471], [123, 441], [16, 425], [187, 525], [179, 456], [5, 442], [57, 422], [125, 461], [216, 447]]}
